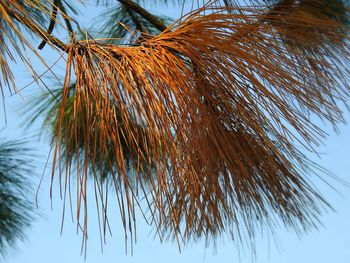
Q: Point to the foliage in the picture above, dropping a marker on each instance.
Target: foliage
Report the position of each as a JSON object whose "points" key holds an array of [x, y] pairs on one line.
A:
{"points": [[215, 107], [47, 105], [16, 207], [124, 25]]}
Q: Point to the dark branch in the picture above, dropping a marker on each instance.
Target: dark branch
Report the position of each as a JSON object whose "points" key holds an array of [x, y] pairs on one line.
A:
{"points": [[65, 16], [144, 13], [52, 22], [136, 21], [36, 29]]}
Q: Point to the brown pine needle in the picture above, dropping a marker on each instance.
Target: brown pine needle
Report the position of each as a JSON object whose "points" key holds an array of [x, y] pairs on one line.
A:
{"points": [[208, 114], [223, 98]]}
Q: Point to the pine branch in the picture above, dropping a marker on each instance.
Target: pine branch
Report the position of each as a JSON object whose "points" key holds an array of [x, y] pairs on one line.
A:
{"points": [[52, 23], [136, 21], [36, 29], [65, 16], [144, 13]]}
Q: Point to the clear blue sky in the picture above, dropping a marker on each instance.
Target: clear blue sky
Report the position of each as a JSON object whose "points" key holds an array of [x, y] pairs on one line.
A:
{"points": [[331, 243]]}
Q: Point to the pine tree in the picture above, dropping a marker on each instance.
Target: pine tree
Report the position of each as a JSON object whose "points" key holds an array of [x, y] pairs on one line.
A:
{"points": [[207, 118], [16, 207]]}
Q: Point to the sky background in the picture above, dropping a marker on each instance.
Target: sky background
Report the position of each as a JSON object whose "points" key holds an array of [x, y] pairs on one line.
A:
{"points": [[330, 243]]}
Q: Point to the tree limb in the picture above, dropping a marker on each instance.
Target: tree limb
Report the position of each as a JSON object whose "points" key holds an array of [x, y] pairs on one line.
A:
{"points": [[136, 21], [144, 13], [65, 16], [52, 22], [36, 29]]}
